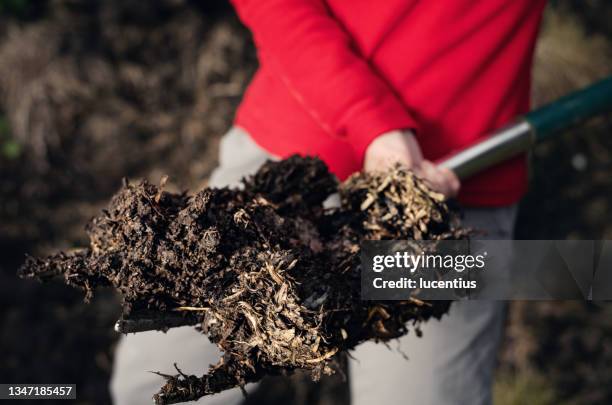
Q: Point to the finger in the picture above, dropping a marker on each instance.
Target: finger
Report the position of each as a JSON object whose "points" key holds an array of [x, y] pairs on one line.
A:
{"points": [[440, 180], [414, 150], [395, 157], [427, 170], [432, 176], [451, 179], [385, 162]]}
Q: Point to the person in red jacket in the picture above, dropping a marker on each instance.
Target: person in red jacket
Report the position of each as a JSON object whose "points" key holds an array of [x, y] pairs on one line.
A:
{"points": [[365, 84], [334, 75]]}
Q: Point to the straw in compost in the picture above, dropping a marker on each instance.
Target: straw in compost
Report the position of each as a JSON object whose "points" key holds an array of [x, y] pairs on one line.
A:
{"points": [[270, 275]]}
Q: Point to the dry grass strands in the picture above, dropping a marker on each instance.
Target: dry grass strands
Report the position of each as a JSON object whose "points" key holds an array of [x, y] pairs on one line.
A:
{"points": [[272, 277]]}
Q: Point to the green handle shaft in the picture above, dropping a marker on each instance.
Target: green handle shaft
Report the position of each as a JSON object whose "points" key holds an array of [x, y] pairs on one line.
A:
{"points": [[571, 109], [534, 127]]}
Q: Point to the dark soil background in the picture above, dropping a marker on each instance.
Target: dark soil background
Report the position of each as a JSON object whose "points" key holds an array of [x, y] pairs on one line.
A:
{"points": [[92, 91]]}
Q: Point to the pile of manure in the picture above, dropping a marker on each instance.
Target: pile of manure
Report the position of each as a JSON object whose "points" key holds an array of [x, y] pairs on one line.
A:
{"points": [[269, 274]]}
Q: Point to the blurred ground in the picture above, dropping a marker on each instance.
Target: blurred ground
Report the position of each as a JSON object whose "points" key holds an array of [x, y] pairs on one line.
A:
{"points": [[91, 91], [561, 352]]}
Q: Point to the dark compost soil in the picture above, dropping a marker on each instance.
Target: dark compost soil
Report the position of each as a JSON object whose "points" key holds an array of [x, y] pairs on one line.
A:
{"points": [[272, 274]]}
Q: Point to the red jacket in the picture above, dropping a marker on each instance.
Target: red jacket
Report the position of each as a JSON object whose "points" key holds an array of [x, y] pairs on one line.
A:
{"points": [[335, 74]]}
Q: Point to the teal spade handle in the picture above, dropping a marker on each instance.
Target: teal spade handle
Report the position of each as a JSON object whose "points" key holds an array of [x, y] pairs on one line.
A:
{"points": [[536, 126], [571, 109]]}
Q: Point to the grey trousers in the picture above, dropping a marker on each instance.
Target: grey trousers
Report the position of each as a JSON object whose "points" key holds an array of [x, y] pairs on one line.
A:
{"points": [[452, 364]]}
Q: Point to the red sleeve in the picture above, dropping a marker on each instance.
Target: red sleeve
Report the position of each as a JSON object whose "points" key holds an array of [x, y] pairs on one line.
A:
{"points": [[301, 42]]}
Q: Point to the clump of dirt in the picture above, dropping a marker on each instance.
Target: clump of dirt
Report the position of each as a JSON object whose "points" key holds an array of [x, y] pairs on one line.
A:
{"points": [[271, 275]]}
